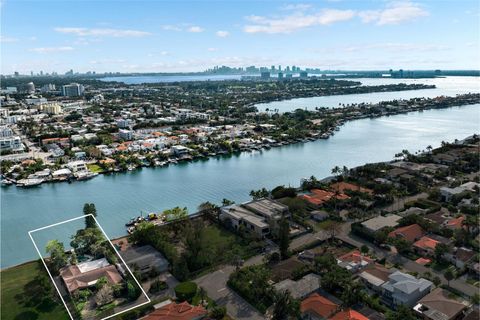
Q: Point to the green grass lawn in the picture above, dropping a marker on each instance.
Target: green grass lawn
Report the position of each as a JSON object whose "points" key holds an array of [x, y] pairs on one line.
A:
{"points": [[21, 296], [94, 168]]}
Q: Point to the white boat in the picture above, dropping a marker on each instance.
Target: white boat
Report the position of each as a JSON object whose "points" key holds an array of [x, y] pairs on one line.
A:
{"points": [[25, 183]]}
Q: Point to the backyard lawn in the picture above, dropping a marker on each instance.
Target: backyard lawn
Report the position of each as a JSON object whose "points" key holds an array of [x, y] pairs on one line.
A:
{"points": [[22, 297]]}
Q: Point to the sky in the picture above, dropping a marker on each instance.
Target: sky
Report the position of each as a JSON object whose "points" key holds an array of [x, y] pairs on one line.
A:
{"points": [[177, 36]]}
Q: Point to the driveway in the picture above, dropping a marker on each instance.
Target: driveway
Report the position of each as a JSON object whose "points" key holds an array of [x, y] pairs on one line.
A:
{"points": [[215, 284]]}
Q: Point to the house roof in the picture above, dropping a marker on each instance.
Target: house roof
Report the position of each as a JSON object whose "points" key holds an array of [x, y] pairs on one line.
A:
{"points": [[455, 223], [319, 305], [423, 261], [440, 305], [342, 186], [464, 254], [375, 274], [319, 196], [354, 258], [380, 222], [348, 314], [405, 283], [301, 288], [409, 233], [75, 279], [426, 243], [177, 311]]}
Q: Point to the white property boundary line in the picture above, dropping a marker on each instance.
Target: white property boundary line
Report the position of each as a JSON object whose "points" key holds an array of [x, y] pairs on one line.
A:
{"points": [[51, 277]]}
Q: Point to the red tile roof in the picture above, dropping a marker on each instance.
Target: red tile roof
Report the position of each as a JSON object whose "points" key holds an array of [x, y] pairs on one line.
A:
{"points": [[177, 311], [349, 314], [410, 233], [342, 186], [319, 196], [423, 261], [455, 223], [355, 256], [74, 279], [318, 305], [426, 243]]}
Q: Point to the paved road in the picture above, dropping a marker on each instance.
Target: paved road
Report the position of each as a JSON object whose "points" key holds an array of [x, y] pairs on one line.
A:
{"points": [[215, 284]]}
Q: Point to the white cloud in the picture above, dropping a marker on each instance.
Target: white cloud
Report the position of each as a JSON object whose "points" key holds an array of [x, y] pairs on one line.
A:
{"points": [[7, 39], [222, 34], [195, 29], [94, 32], [212, 49], [51, 49], [296, 21], [297, 6], [170, 27], [394, 13]]}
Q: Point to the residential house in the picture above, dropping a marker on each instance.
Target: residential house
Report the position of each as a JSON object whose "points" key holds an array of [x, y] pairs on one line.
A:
{"points": [[447, 193], [374, 276], [380, 222], [404, 289], [86, 274], [240, 217], [301, 288], [354, 261], [425, 246], [409, 233], [439, 305], [317, 307], [461, 257], [144, 259], [169, 310], [348, 314]]}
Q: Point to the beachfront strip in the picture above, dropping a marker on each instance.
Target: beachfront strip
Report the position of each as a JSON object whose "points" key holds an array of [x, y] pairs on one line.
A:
{"points": [[116, 128], [396, 240]]}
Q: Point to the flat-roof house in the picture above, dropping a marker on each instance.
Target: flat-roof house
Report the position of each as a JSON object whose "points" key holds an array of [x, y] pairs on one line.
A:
{"points": [[145, 258], [447, 193], [86, 274], [301, 288], [409, 233], [404, 289], [271, 210], [240, 216], [380, 222], [374, 276], [439, 305]]}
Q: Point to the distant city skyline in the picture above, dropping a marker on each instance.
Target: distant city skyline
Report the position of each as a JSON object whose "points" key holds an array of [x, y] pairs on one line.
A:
{"points": [[191, 36]]}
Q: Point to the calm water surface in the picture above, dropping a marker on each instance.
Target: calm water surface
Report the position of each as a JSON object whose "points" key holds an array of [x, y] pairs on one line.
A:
{"points": [[449, 86], [118, 197]]}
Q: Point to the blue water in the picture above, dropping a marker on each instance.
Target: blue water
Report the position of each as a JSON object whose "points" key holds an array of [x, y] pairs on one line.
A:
{"points": [[118, 197], [160, 78]]}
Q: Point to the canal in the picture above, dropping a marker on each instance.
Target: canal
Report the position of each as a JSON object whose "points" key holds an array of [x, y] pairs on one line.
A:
{"points": [[118, 197]]}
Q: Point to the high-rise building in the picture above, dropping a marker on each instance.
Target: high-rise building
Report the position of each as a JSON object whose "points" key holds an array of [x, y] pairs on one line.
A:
{"points": [[265, 75], [30, 87], [303, 74], [72, 90]]}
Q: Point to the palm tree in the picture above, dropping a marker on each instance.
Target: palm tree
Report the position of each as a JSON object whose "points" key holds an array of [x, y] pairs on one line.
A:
{"points": [[284, 306]]}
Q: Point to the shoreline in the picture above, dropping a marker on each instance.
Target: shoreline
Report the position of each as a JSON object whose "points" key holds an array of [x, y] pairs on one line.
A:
{"points": [[197, 214], [428, 104]]}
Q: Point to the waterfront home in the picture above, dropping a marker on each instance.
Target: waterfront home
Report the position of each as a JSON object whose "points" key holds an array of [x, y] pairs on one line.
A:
{"points": [[380, 222], [301, 288], [343, 186], [145, 259], [374, 276], [440, 305], [409, 233], [354, 261], [319, 196], [168, 310], [238, 217], [86, 274], [404, 289]]}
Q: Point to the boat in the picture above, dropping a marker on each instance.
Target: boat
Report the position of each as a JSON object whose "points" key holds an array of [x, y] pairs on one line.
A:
{"points": [[26, 183], [85, 175]]}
